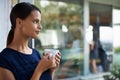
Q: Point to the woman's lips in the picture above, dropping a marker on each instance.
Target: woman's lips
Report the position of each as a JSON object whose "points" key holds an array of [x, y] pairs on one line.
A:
{"points": [[37, 32]]}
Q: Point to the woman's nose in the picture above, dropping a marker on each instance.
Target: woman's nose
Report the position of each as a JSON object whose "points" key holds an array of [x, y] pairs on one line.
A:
{"points": [[39, 26]]}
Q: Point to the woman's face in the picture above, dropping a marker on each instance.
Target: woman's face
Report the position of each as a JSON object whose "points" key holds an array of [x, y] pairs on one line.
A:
{"points": [[31, 26]]}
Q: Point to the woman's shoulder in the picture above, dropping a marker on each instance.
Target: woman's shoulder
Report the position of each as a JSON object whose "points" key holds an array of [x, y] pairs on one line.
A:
{"points": [[4, 56], [5, 51]]}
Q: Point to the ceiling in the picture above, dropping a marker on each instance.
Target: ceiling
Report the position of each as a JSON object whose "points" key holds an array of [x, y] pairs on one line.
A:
{"points": [[104, 12]]}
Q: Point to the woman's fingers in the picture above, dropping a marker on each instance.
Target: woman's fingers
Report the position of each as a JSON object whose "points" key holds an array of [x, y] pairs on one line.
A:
{"points": [[57, 58], [54, 60], [58, 55]]}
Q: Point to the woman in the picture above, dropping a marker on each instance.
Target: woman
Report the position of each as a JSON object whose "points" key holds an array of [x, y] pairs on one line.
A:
{"points": [[93, 57], [17, 60]]}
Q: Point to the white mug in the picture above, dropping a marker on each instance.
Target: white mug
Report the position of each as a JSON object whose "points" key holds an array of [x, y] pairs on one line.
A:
{"points": [[51, 52]]}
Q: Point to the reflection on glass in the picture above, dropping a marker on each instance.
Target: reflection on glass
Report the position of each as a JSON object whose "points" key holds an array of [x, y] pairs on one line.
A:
{"points": [[116, 30], [89, 34], [116, 27], [63, 30], [106, 37]]}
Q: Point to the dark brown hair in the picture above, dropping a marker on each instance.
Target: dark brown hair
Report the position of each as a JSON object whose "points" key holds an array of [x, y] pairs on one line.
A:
{"points": [[21, 10]]}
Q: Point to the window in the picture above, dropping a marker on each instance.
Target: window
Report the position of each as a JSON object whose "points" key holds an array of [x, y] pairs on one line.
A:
{"points": [[63, 29]]}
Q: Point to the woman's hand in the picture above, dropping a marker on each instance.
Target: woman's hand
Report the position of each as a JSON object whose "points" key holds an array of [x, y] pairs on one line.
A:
{"points": [[47, 62], [44, 64], [57, 62], [57, 59]]}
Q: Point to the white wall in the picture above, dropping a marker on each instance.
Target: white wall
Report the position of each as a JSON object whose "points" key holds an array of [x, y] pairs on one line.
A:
{"points": [[5, 6]]}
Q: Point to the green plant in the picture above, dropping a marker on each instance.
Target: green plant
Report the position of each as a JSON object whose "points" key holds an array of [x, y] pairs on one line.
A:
{"points": [[117, 50], [115, 73]]}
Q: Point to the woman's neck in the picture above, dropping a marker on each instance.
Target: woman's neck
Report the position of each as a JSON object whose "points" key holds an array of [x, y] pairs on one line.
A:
{"points": [[20, 44]]}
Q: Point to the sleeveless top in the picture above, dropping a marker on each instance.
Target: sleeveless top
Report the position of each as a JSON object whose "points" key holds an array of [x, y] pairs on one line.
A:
{"points": [[22, 65]]}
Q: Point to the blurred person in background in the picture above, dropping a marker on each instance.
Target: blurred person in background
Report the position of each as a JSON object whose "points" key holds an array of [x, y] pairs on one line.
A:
{"points": [[93, 57]]}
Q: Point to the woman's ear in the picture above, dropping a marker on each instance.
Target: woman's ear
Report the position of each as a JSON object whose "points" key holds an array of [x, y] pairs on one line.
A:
{"points": [[19, 22]]}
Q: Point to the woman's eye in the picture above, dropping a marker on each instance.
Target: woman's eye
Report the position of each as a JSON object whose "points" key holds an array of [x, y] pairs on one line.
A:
{"points": [[35, 22]]}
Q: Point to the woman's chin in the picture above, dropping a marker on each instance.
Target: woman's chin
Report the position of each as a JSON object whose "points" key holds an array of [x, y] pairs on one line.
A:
{"points": [[35, 37]]}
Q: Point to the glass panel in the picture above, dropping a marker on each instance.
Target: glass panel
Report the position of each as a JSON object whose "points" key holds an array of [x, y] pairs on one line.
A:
{"points": [[63, 29], [106, 38], [116, 29], [101, 20]]}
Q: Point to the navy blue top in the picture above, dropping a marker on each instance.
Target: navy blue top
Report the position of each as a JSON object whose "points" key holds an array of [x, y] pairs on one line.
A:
{"points": [[22, 65]]}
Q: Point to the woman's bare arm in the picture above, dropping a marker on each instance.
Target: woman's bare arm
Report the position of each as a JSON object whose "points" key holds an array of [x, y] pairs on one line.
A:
{"points": [[6, 74]]}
